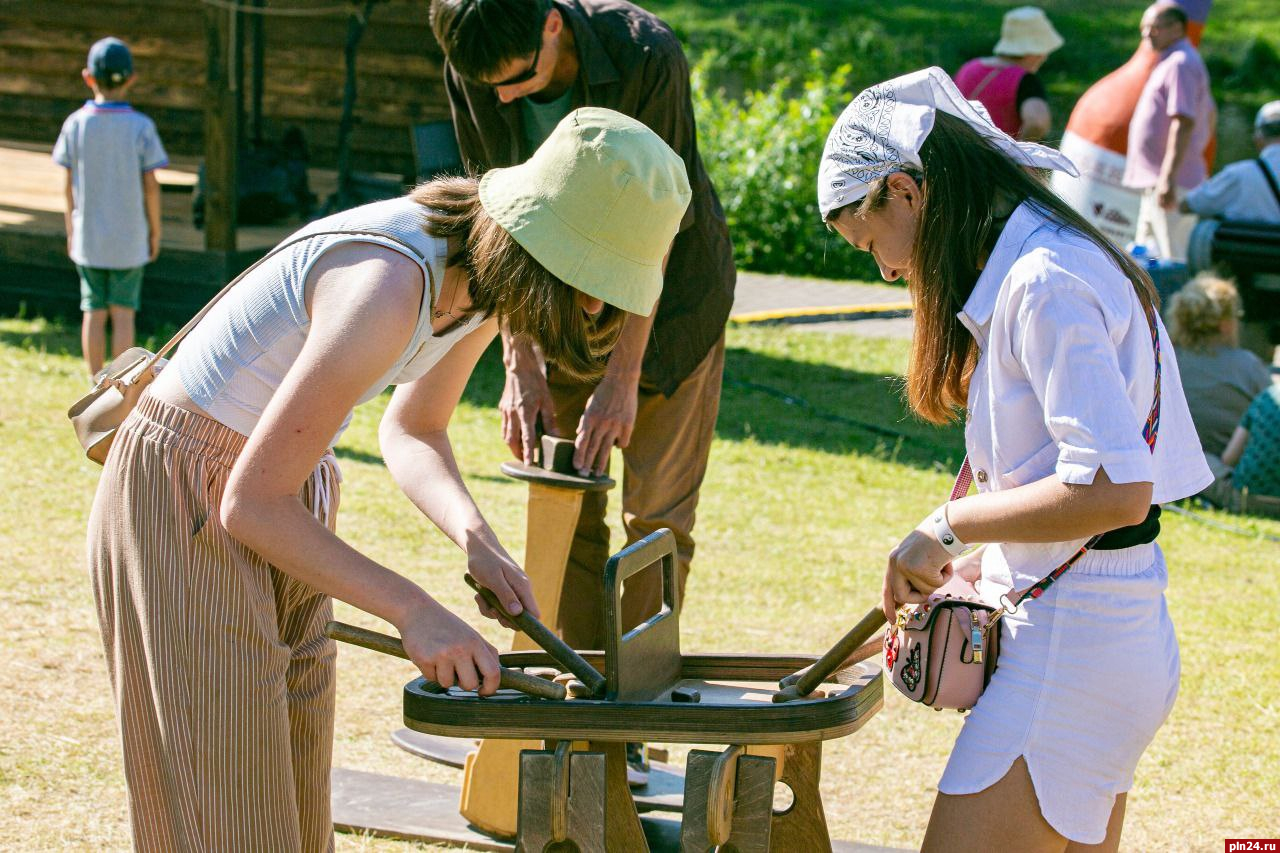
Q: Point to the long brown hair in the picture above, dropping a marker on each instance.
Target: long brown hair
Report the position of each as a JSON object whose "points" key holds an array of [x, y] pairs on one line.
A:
{"points": [[969, 186], [505, 281]]}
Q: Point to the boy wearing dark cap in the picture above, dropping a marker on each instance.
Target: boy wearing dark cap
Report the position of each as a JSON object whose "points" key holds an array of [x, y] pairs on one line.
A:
{"points": [[110, 152]]}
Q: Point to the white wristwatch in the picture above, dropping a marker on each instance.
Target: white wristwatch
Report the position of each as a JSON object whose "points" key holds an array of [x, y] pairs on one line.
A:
{"points": [[946, 537]]}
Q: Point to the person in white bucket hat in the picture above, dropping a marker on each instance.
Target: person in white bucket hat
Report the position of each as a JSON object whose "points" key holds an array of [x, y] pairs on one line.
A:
{"points": [[1007, 84], [1043, 336], [212, 542]]}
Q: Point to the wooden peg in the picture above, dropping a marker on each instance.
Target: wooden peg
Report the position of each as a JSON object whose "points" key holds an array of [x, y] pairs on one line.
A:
{"points": [[792, 687], [510, 679], [548, 641]]}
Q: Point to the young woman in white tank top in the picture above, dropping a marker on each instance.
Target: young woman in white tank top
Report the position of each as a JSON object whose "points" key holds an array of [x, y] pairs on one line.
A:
{"points": [[213, 578]]}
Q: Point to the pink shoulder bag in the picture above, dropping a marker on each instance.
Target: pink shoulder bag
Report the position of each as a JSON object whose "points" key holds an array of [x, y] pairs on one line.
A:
{"points": [[942, 653]]}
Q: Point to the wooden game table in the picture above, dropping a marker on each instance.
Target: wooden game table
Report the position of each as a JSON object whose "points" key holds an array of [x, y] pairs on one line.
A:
{"points": [[653, 692]]}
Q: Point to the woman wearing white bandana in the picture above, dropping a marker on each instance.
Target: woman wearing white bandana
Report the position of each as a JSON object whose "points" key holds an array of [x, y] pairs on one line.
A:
{"points": [[1036, 326]]}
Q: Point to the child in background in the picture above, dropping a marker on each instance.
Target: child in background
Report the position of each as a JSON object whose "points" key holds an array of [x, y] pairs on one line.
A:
{"points": [[110, 152]]}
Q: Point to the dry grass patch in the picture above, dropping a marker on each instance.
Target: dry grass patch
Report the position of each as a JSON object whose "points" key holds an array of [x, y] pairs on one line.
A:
{"points": [[797, 515]]}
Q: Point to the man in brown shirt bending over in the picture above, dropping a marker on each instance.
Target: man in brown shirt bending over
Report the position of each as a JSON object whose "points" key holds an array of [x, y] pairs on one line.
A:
{"points": [[513, 69]]}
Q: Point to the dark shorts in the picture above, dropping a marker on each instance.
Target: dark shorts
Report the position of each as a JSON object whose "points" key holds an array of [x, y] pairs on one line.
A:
{"points": [[102, 287]]}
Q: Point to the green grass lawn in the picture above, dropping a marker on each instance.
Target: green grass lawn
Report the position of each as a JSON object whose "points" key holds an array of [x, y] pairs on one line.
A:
{"points": [[798, 511]]}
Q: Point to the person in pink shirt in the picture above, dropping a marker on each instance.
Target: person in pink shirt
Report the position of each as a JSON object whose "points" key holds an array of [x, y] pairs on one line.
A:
{"points": [[1170, 130], [1006, 83]]}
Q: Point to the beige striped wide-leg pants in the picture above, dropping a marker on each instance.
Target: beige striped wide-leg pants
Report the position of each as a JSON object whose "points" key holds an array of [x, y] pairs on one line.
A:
{"points": [[223, 678]]}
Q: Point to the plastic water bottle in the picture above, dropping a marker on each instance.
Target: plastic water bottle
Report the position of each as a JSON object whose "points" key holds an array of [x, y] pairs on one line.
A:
{"points": [[1144, 257]]}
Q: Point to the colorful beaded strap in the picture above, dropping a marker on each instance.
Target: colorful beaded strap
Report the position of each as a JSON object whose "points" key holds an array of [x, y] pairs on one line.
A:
{"points": [[964, 479]]}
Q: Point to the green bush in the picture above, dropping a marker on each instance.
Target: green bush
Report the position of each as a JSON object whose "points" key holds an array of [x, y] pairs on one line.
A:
{"points": [[762, 152], [765, 100]]}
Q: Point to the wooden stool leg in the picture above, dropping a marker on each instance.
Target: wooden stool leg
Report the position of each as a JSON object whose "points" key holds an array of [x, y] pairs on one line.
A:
{"points": [[552, 519], [749, 820], [561, 800], [490, 777], [778, 752], [490, 784], [622, 822], [804, 825]]}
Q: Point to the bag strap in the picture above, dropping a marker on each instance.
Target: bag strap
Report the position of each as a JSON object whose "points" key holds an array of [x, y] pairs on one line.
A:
{"points": [[1271, 178], [297, 238], [977, 90], [1150, 430]]}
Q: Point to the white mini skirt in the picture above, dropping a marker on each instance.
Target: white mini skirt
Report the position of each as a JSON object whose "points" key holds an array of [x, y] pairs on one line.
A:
{"points": [[1088, 672]]}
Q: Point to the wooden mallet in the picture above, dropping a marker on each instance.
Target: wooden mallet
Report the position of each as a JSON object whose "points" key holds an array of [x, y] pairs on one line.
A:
{"points": [[801, 684], [510, 679]]}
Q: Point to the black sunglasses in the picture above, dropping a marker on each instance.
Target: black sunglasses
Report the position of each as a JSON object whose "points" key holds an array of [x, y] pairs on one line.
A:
{"points": [[529, 73]]}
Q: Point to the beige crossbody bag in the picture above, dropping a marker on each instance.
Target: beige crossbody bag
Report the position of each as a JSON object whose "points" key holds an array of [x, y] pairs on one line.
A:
{"points": [[119, 386]]}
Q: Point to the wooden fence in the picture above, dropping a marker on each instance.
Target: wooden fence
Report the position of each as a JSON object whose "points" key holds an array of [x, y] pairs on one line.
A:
{"points": [[43, 45]]}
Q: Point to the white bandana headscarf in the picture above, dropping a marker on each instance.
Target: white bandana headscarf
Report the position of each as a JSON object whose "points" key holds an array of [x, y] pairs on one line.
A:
{"points": [[881, 132]]}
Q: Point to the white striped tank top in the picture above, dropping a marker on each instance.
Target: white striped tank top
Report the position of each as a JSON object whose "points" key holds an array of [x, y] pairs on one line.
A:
{"points": [[234, 360]]}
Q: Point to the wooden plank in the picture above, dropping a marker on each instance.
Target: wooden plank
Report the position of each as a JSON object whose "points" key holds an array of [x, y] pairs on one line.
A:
{"points": [[751, 818], [623, 830], [804, 825], [221, 133], [408, 809], [856, 694], [663, 793], [551, 520]]}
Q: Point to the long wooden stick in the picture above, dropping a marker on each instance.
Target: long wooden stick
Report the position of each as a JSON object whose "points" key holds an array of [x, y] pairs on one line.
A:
{"points": [[548, 641], [510, 679], [810, 678]]}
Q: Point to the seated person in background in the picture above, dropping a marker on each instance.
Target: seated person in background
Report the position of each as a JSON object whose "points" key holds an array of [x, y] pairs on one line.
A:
{"points": [[1248, 189], [1220, 379], [1006, 84], [1252, 457]]}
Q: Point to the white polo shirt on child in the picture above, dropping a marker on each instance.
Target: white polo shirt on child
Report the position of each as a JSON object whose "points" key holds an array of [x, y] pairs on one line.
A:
{"points": [[107, 147]]}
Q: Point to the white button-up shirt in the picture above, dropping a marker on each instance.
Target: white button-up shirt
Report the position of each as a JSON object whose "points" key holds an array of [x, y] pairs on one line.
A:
{"points": [[1065, 379], [1240, 191]]}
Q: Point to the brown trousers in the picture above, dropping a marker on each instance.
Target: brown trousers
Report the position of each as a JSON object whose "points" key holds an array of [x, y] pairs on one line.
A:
{"points": [[223, 678], [663, 467]]}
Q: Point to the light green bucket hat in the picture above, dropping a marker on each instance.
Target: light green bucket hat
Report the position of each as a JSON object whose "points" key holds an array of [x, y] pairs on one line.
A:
{"points": [[598, 204]]}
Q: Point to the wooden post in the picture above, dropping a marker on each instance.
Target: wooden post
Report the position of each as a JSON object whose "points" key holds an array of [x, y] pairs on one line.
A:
{"points": [[804, 825], [552, 519], [491, 773], [221, 128], [562, 801]]}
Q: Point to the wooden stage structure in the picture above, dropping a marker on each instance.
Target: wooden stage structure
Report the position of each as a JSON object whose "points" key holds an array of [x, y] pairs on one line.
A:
{"points": [[218, 77], [35, 269]]}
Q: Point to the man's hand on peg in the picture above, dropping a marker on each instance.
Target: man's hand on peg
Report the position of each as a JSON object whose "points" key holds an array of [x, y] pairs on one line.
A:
{"points": [[608, 419], [526, 397]]}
